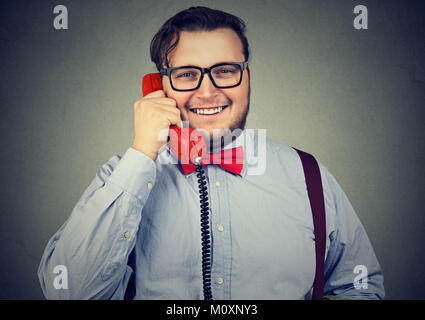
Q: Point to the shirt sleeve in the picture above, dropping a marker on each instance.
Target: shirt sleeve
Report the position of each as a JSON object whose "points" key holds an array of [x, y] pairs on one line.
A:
{"points": [[92, 247], [352, 270]]}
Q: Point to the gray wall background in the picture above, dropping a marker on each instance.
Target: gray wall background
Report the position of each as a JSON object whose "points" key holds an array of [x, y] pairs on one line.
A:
{"points": [[352, 98]]}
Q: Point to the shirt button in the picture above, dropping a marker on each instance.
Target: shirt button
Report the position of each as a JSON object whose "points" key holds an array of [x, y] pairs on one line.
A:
{"points": [[220, 228], [220, 280], [127, 235], [149, 186], [217, 183]]}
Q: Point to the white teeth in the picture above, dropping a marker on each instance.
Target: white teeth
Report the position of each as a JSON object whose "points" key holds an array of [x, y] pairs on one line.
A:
{"points": [[209, 111]]}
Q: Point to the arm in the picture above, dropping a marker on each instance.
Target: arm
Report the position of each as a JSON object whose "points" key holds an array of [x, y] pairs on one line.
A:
{"points": [[95, 242], [349, 247]]}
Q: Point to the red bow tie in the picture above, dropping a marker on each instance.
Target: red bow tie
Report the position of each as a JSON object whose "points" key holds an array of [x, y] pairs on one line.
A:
{"points": [[230, 160]]}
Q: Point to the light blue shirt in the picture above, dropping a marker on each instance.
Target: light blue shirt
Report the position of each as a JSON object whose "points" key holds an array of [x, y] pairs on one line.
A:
{"points": [[139, 221]]}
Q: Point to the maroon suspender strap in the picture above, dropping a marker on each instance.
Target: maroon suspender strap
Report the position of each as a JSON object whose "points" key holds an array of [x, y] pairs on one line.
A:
{"points": [[315, 194]]}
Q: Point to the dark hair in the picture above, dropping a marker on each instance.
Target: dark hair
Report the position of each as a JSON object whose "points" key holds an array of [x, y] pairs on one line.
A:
{"points": [[193, 19]]}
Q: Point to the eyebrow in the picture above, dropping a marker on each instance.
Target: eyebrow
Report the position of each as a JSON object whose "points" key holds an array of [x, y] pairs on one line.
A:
{"points": [[192, 65]]}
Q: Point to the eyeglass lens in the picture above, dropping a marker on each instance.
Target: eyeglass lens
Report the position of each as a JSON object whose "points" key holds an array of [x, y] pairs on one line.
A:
{"points": [[189, 78]]}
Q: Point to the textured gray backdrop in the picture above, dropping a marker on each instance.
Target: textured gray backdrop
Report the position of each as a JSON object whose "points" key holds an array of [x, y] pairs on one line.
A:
{"points": [[352, 98]]}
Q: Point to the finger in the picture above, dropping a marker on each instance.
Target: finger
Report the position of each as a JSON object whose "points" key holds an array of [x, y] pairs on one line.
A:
{"points": [[155, 94], [167, 108], [174, 118], [166, 101]]}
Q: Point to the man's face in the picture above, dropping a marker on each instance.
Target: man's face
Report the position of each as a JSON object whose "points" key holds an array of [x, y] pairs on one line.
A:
{"points": [[204, 49]]}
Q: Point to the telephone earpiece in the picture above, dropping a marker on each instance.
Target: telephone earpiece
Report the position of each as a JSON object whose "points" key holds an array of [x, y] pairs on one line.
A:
{"points": [[151, 82]]}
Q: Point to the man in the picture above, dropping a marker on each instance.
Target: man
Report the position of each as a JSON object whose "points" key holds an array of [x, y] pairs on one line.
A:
{"points": [[135, 232]]}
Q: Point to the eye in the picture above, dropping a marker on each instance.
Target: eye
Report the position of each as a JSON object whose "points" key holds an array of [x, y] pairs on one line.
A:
{"points": [[185, 75], [225, 71]]}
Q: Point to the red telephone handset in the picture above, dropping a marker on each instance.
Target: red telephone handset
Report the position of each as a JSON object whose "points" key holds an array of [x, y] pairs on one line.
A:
{"points": [[186, 143]]}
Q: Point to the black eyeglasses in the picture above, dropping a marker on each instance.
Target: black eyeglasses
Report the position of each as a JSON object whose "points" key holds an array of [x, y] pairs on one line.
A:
{"points": [[189, 78]]}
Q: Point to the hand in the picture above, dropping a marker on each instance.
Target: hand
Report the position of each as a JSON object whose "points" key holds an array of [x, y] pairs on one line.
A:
{"points": [[153, 114]]}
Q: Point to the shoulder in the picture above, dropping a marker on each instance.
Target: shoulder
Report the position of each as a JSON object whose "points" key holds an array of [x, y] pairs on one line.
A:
{"points": [[283, 152], [290, 161], [283, 159], [266, 157], [288, 155]]}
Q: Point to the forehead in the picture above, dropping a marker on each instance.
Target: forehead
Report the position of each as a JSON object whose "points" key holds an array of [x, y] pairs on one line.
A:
{"points": [[205, 48]]}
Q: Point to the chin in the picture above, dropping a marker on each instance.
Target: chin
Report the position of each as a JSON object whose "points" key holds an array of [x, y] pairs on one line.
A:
{"points": [[210, 130]]}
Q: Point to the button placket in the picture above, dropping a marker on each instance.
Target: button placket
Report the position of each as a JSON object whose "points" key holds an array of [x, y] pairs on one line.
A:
{"points": [[224, 236], [217, 178]]}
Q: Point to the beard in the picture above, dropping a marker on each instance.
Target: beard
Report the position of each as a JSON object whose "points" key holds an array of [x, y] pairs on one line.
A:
{"points": [[219, 138], [240, 122]]}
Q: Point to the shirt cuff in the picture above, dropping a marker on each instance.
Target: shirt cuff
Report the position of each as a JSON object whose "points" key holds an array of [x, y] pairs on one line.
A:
{"points": [[135, 173]]}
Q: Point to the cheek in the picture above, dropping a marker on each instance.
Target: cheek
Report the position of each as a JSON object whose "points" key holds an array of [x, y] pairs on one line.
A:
{"points": [[240, 99], [181, 103], [181, 98], [240, 95]]}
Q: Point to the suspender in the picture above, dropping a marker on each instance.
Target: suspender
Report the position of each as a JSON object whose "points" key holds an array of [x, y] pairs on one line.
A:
{"points": [[315, 194]]}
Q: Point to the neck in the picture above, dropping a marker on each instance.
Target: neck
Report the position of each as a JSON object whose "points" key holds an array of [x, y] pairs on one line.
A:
{"points": [[223, 140]]}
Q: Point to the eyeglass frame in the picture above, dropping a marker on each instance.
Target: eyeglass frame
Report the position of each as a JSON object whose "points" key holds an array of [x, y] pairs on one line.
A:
{"points": [[167, 72]]}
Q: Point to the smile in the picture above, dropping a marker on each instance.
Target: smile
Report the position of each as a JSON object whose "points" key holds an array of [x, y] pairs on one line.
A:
{"points": [[208, 111]]}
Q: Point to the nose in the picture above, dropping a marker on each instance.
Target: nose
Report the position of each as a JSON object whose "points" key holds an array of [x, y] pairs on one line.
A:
{"points": [[207, 88]]}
